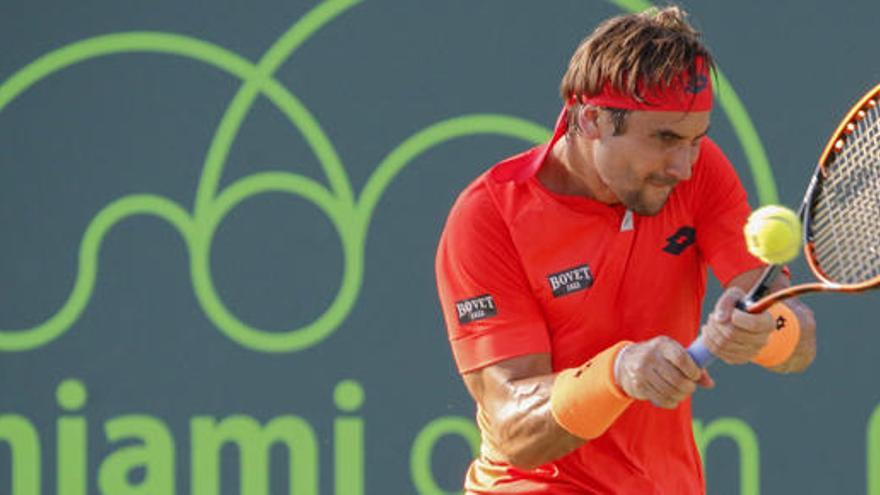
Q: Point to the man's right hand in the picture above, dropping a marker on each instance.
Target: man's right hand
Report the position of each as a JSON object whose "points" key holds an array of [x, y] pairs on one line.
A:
{"points": [[660, 371]]}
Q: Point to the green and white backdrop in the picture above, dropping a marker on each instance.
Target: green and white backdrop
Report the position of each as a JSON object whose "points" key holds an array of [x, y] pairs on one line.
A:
{"points": [[219, 221]]}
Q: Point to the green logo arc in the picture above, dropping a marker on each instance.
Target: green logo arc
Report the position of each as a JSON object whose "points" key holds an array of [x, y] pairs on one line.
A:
{"points": [[350, 215]]}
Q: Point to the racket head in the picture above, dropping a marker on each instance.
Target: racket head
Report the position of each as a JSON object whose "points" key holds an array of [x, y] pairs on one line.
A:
{"points": [[841, 210]]}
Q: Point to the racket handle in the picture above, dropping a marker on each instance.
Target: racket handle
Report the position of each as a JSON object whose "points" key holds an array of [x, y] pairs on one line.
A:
{"points": [[700, 353], [698, 350]]}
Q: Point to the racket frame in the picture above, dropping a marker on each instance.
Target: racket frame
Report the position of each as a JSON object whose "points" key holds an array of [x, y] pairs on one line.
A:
{"points": [[757, 300]]}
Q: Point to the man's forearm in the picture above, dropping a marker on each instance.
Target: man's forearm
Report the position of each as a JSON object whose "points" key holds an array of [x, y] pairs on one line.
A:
{"points": [[524, 431]]}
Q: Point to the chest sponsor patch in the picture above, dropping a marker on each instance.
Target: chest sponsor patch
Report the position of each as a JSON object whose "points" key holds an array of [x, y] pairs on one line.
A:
{"points": [[571, 280], [476, 308]]}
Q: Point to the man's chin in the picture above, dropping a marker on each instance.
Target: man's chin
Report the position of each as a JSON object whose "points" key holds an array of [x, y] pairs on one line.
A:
{"points": [[644, 211], [647, 208]]}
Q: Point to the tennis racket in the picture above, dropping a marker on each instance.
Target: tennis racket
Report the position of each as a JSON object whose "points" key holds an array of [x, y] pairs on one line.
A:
{"points": [[840, 215]]}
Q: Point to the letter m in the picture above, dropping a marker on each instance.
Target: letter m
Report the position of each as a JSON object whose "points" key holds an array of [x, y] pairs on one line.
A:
{"points": [[254, 444]]}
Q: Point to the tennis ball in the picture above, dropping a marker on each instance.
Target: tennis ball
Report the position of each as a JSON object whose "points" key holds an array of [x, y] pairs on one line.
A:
{"points": [[773, 234]]}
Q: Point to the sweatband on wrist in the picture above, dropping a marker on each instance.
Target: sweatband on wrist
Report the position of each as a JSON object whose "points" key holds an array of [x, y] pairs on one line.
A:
{"points": [[783, 341], [586, 400]]}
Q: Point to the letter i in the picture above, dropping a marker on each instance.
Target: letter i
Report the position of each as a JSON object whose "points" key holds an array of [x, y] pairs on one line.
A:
{"points": [[348, 444], [72, 441]]}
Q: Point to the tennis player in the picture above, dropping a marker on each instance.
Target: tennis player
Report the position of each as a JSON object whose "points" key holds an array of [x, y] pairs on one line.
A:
{"points": [[572, 275]]}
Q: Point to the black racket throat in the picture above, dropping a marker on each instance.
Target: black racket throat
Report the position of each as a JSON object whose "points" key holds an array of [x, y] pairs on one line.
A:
{"points": [[760, 290]]}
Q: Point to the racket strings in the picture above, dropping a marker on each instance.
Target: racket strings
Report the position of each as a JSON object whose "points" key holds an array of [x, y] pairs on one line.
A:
{"points": [[846, 209]]}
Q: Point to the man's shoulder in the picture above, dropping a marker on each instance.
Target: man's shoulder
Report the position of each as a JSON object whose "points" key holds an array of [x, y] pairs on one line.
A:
{"points": [[709, 150], [713, 173], [517, 168], [498, 181], [712, 159], [490, 200]]}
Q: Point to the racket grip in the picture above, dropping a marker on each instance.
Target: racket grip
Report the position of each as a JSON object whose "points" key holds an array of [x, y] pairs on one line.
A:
{"points": [[698, 350], [700, 353]]}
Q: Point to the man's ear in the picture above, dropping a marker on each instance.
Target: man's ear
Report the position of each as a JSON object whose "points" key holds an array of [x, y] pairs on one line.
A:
{"points": [[588, 122]]}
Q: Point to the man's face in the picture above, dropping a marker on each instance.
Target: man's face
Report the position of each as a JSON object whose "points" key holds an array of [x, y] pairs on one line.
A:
{"points": [[655, 151]]}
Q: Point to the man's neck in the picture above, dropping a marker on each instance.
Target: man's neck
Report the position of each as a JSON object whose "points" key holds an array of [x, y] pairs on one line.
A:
{"points": [[568, 171]]}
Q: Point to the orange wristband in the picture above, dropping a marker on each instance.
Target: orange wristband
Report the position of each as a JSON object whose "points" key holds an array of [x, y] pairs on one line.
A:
{"points": [[585, 401], [782, 343]]}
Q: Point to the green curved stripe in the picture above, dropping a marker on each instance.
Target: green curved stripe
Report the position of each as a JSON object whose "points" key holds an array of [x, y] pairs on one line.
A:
{"points": [[257, 79], [241, 104], [420, 463], [351, 220], [434, 135], [208, 53], [743, 127], [89, 251], [110, 44], [873, 453], [288, 340], [216, 56], [762, 172], [632, 5]]}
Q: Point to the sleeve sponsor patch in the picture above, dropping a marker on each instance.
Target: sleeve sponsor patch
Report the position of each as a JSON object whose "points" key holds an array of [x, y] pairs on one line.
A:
{"points": [[476, 308]]}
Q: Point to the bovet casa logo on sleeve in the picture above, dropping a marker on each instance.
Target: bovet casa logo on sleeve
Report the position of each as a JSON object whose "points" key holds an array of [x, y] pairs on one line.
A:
{"points": [[571, 280], [476, 308]]}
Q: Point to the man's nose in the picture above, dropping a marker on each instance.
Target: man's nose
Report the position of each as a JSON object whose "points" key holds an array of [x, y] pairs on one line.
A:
{"points": [[681, 162]]}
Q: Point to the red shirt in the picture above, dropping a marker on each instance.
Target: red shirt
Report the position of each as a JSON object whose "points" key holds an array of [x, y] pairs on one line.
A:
{"points": [[522, 270]]}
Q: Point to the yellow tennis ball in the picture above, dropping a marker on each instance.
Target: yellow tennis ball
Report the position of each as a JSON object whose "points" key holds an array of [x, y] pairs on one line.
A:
{"points": [[773, 234]]}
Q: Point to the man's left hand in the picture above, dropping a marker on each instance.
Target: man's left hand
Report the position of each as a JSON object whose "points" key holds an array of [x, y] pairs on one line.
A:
{"points": [[735, 336]]}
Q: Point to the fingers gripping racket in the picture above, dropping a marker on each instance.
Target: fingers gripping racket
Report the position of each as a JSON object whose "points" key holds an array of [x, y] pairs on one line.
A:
{"points": [[840, 215]]}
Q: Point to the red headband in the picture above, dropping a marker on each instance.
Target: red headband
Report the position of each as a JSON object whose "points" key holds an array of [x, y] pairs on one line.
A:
{"points": [[682, 95]]}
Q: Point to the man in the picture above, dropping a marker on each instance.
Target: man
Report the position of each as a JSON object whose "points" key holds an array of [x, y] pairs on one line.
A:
{"points": [[572, 276]]}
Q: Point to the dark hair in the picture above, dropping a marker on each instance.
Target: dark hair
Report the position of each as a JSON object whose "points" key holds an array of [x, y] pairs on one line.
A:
{"points": [[650, 48], [618, 118]]}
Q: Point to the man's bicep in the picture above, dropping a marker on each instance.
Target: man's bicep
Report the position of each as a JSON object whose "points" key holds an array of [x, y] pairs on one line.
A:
{"points": [[721, 210]]}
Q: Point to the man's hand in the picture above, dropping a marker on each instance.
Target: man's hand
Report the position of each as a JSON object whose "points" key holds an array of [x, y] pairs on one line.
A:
{"points": [[735, 336], [660, 371]]}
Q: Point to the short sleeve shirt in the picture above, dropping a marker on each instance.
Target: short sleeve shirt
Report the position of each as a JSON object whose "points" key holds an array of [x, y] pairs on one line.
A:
{"points": [[522, 270]]}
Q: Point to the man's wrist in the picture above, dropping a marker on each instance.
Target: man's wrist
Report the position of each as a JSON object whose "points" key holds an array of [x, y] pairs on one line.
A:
{"points": [[617, 363]]}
